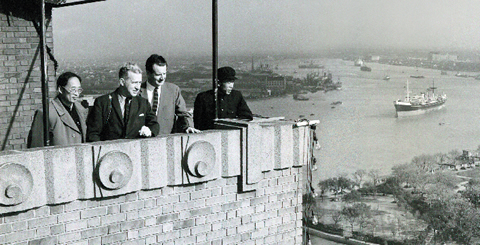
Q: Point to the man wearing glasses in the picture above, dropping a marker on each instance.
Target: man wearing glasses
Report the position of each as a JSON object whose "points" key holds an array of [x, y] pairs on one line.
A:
{"points": [[67, 117]]}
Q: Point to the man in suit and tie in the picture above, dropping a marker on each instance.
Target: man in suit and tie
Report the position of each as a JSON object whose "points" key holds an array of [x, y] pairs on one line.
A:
{"points": [[165, 98], [122, 114], [66, 118]]}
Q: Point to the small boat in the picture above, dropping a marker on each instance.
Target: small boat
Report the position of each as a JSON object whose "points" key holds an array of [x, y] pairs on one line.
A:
{"points": [[418, 76], [386, 78], [358, 62], [461, 75], [365, 68], [420, 103], [300, 97]]}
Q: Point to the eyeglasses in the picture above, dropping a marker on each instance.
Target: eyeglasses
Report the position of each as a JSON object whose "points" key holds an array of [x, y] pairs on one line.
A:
{"points": [[74, 90]]}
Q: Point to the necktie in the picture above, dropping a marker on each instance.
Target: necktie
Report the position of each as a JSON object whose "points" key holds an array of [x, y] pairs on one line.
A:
{"points": [[155, 100], [127, 110]]}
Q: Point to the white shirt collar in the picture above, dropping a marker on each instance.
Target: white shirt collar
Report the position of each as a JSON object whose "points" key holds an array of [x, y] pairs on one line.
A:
{"points": [[151, 87]]}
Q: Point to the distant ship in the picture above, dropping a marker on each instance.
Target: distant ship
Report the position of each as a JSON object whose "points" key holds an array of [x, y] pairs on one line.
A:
{"points": [[358, 62], [417, 76], [311, 65], [386, 78], [420, 103], [365, 68], [300, 97]]}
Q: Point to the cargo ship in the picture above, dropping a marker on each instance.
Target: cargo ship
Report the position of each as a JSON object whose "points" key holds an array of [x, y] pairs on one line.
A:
{"points": [[421, 103], [311, 65]]}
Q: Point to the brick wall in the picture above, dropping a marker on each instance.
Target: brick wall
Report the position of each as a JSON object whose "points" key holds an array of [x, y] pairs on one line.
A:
{"points": [[204, 213], [20, 86], [148, 191]]}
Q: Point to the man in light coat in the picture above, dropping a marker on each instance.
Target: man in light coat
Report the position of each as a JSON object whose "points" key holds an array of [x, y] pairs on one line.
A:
{"points": [[166, 99], [67, 117]]}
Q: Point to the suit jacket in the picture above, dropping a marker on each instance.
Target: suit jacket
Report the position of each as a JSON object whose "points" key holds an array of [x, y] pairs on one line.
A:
{"points": [[172, 115], [63, 130], [232, 105], [105, 120]]}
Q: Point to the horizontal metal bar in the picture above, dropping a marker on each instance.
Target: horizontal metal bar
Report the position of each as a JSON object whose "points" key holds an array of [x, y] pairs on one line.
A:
{"points": [[75, 3]]}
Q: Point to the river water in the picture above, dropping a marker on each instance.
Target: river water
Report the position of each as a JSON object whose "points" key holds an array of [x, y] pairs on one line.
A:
{"points": [[363, 132]]}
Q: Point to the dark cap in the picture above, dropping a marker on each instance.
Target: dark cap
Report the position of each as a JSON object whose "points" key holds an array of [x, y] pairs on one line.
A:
{"points": [[226, 74]]}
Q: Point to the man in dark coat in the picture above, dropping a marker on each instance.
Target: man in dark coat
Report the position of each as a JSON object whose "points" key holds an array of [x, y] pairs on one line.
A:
{"points": [[122, 114], [231, 102]]}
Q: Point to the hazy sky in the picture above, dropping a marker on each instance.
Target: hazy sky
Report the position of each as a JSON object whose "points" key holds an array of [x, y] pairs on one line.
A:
{"points": [[179, 27]]}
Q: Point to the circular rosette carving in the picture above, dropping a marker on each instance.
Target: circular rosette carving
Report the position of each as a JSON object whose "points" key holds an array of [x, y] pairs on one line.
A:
{"points": [[200, 158], [16, 183], [114, 170]]}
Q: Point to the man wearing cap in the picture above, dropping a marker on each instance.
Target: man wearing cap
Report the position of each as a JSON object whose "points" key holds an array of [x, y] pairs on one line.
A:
{"points": [[231, 103], [165, 98]]}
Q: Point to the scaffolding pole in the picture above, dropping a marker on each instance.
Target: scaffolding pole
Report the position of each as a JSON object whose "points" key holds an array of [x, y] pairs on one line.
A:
{"points": [[215, 54], [43, 68]]}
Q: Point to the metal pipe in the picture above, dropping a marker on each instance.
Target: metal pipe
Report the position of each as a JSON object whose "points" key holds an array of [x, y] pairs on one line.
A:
{"points": [[215, 53], [43, 65], [75, 3]]}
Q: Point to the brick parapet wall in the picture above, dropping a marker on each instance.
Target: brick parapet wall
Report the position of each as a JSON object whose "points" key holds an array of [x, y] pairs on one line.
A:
{"points": [[147, 191], [20, 78], [204, 213]]}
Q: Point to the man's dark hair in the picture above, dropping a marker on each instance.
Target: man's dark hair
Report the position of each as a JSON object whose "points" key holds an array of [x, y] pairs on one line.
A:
{"points": [[154, 59], [62, 80]]}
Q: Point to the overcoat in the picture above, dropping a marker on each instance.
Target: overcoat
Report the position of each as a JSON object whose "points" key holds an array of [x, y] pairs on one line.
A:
{"points": [[105, 119]]}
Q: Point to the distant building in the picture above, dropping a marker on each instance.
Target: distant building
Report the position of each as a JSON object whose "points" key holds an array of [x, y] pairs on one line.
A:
{"points": [[437, 56], [372, 58]]}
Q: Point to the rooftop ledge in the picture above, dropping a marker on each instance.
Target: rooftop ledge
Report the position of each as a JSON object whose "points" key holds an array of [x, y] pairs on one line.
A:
{"points": [[241, 149]]}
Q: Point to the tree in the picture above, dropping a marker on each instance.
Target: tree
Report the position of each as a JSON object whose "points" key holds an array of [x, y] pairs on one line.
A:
{"points": [[375, 176], [358, 177], [454, 219], [391, 186], [453, 156], [472, 192], [357, 213], [337, 217], [427, 163], [353, 196], [344, 183], [441, 158], [336, 184]]}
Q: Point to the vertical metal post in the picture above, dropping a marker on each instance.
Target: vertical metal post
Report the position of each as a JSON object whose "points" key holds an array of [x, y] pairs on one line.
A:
{"points": [[43, 64], [215, 53]]}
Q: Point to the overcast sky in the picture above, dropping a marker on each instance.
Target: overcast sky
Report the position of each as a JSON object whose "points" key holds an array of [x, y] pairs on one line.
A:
{"points": [[180, 27]]}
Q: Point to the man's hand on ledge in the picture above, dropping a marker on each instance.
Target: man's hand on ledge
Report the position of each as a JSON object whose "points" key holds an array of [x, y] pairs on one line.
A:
{"points": [[191, 130], [145, 132]]}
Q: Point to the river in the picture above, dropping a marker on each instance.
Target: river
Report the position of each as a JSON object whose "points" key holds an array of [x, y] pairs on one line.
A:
{"points": [[363, 131]]}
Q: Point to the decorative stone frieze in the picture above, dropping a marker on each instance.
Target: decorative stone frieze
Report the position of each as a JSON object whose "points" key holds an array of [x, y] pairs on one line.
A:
{"points": [[22, 180], [16, 184], [266, 145], [114, 170], [54, 175], [201, 157], [111, 168]]}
